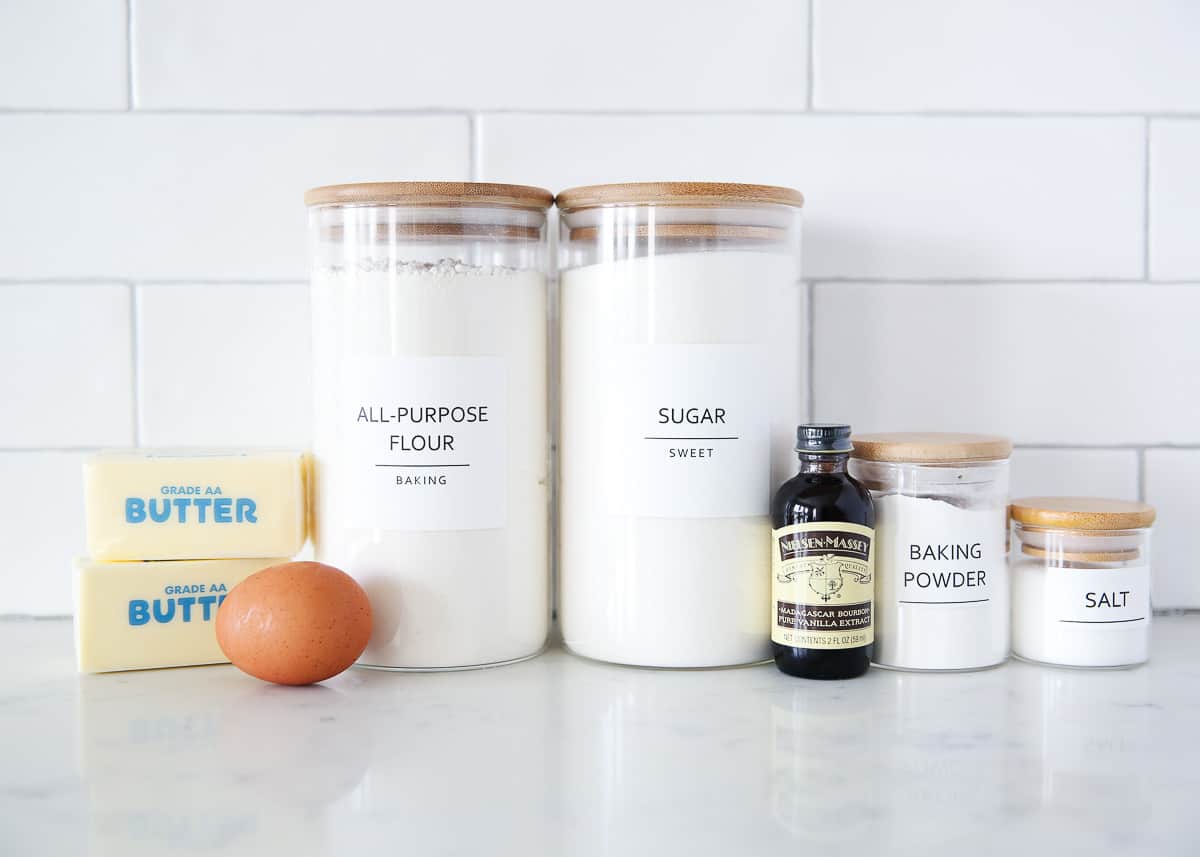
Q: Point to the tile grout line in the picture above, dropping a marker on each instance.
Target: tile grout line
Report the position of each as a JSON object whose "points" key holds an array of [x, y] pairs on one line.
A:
{"points": [[129, 88], [717, 112], [808, 95], [135, 351], [1146, 204], [1141, 475], [475, 146], [810, 327]]}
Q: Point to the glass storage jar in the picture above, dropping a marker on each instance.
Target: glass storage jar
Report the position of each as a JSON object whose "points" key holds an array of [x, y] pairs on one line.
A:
{"points": [[1081, 581], [941, 547], [681, 349], [430, 477]]}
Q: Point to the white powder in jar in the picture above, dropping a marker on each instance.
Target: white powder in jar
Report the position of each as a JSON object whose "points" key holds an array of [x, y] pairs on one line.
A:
{"points": [[942, 589], [665, 541], [1074, 615], [431, 456]]}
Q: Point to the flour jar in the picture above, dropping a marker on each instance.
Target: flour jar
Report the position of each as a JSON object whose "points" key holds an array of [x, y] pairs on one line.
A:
{"points": [[1081, 581], [941, 547], [430, 475], [681, 345]]}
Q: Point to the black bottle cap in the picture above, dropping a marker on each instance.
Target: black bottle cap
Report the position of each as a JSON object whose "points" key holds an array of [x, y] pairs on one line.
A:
{"points": [[823, 437]]}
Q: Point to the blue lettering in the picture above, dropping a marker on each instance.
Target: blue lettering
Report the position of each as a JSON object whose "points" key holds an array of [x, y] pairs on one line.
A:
{"points": [[135, 510], [167, 615], [181, 504], [139, 612], [207, 602], [223, 510], [245, 510], [158, 515], [186, 605], [201, 504]]}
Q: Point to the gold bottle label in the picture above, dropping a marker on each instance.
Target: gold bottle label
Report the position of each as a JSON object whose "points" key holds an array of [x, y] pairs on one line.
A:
{"points": [[823, 585]]}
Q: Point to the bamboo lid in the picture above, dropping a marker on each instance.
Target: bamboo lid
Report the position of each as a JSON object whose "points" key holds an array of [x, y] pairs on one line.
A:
{"points": [[698, 194], [448, 194], [703, 231], [1082, 513], [930, 447], [1082, 556]]}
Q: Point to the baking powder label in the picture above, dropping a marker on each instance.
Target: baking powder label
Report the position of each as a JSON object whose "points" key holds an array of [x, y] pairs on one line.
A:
{"points": [[423, 442], [823, 585], [693, 425], [1119, 597], [938, 554]]}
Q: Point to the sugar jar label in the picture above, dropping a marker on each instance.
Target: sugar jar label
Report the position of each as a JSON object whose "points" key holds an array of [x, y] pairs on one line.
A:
{"points": [[424, 442], [1098, 596], [693, 425], [823, 585]]}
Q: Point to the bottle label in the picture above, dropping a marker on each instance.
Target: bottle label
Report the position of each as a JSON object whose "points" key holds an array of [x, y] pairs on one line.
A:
{"points": [[424, 443], [1116, 597], [823, 585], [693, 425]]}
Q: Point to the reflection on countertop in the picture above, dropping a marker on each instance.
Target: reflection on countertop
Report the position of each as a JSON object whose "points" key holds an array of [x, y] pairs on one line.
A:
{"points": [[559, 755]]}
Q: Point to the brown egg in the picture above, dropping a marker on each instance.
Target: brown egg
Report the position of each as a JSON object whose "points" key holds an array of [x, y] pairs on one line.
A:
{"points": [[294, 623]]}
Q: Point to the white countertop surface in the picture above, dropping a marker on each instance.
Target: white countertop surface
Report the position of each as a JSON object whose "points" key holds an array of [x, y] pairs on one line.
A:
{"points": [[563, 756]]}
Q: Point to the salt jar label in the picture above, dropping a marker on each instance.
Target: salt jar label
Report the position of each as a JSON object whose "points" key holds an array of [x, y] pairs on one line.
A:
{"points": [[695, 431], [424, 440], [1109, 596], [823, 585]]}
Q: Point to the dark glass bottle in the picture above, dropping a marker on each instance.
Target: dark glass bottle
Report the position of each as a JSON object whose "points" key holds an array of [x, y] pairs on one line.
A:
{"points": [[823, 562]]}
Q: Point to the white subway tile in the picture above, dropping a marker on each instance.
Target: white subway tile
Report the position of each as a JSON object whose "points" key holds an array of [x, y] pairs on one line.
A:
{"points": [[1175, 197], [1042, 363], [887, 197], [57, 54], [193, 197], [1172, 476], [68, 368], [43, 530], [375, 54], [225, 365], [1075, 473], [1053, 55]]}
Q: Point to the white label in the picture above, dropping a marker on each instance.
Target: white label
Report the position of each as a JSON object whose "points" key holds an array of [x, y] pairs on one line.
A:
{"points": [[936, 553], [1110, 596], [696, 431], [424, 440]]}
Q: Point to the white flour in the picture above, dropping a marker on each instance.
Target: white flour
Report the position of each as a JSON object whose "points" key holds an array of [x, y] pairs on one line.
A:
{"points": [[942, 590], [664, 543], [454, 558]]}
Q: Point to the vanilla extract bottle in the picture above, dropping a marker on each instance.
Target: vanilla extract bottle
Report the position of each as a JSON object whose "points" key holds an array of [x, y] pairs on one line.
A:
{"points": [[822, 562]]}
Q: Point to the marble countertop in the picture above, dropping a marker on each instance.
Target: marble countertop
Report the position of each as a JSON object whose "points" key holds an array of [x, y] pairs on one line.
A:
{"points": [[563, 756]]}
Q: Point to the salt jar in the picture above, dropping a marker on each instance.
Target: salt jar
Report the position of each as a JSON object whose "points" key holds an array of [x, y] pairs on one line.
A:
{"points": [[941, 546], [680, 393], [430, 439], [1081, 581]]}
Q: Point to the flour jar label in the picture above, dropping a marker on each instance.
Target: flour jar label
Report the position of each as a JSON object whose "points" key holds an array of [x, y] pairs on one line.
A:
{"points": [[1098, 596], [823, 585], [692, 424], [423, 442]]}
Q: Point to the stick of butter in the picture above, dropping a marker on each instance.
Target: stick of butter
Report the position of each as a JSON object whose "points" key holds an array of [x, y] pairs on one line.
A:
{"points": [[183, 504], [141, 615]]}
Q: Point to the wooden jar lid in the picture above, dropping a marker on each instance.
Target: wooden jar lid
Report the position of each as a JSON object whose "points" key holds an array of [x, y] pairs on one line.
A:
{"points": [[695, 194], [1082, 513], [930, 447], [446, 194]]}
